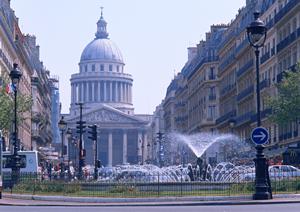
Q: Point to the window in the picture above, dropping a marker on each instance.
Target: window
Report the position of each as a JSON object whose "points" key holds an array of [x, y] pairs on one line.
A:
{"points": [[110, 67], [101, 67], [85, 68], [93, 67], [117, 68], [212, 74], [211, 112]]}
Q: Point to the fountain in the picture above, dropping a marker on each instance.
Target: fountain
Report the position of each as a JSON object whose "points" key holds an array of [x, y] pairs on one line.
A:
{"points": [[201, 171]]}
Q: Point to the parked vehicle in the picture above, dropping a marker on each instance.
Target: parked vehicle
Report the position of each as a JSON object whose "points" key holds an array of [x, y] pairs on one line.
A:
{"points": [[277, 172]]}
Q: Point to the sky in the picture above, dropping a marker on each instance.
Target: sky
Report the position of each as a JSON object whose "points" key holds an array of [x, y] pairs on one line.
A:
{"points": [[153, 36]]}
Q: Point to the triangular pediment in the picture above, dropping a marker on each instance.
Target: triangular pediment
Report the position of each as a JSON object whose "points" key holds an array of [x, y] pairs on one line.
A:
{"points": [[107, 114]]}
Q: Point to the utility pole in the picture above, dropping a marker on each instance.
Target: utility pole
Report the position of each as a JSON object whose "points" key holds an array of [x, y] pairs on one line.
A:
{"points": [[93, 137], [80, 126]]}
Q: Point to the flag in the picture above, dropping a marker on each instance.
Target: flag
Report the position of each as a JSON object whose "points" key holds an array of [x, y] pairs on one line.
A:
{"points": [[9, 88], [1, 84]]}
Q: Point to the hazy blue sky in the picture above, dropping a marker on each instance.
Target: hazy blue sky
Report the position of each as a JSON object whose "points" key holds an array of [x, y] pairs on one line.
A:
{"points": [[153, 36]]}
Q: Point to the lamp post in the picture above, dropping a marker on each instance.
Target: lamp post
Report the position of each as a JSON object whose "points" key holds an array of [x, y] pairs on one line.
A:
{"points": [[69, 133], [15, 75], [257, 33], [142, 162], [62, 125], [160, 136], [231, 125], [148, 153]]}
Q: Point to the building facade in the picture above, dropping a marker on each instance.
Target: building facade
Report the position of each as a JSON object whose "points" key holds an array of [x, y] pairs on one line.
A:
{"points": [[235, 79], [34, 129], [105, 90]]}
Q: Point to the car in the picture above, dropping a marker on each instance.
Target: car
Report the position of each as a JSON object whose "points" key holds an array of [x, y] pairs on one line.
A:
{"points": [[283, 171], [276, 172]]}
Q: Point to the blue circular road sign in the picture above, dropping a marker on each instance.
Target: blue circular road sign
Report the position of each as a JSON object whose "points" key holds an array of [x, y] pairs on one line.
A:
{"points": [[260, 135]]}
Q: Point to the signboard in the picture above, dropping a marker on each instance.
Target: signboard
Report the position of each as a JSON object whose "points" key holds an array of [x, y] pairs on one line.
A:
{"points": [[260, 135]]}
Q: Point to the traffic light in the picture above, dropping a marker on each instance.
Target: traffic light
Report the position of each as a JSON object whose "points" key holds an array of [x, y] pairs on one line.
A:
{"points": [[160, 135], [98, 163], [80, 127], [93, 132]]}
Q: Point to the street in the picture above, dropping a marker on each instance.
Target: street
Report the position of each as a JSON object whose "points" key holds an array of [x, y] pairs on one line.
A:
{"points": [[294, 207]]}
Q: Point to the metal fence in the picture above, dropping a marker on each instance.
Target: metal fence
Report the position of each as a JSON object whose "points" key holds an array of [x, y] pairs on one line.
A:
{"points": [[144, 186]]}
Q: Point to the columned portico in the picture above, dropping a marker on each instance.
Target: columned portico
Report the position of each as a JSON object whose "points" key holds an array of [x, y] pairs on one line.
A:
{"points": [[139, 146], [145, 148], [110, 149], [124, 147]]}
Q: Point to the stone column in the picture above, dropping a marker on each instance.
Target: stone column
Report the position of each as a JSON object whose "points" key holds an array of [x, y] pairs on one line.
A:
{"points": [[80, 92], [130, 93], [99, 91], [87, 91], [139, 146], [124, 147], [124, 100], [72, 93], [110, 149], [116, 91], [145, 149], [110, 91], [127, 93], [93, 92], [104, 90], [121, 92]]}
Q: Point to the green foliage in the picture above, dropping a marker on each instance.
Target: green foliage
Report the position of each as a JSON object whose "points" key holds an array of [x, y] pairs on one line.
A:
{"points": [[7, 108], [123, 189], [286, 105], [35, 186]]}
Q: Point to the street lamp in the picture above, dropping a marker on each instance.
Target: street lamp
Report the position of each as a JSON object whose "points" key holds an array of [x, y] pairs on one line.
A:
{"points": [[62, 125], [15, 75], [231, 124], [69, 133], [257, 33], [160, 152]]}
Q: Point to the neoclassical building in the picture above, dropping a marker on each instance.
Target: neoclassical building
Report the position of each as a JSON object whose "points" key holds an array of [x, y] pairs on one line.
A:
{"points": [[106, 93]]}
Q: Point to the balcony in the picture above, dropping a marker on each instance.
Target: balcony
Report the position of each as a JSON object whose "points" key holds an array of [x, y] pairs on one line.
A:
{"points": [[227, 89], [241, 46], [244, 93], [265, 57], [244, 118], [212, 77], [226, 62], [212, 97], [226, 117], [287, 41], [264, 84], [244, 68], [263, 114], [288, 7], [270, 24], [281, 74], [272, 51], [5, 59]]}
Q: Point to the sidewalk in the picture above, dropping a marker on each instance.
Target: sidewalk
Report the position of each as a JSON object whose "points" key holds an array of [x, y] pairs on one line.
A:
{"points": [[35, 200]]}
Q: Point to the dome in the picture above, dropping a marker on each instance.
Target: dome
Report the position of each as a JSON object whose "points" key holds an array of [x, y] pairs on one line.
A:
{"points": [[102, 49]]}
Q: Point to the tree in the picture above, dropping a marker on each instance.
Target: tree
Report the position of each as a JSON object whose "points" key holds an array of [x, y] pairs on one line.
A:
{"points": [[286, 105], [7, 109]]}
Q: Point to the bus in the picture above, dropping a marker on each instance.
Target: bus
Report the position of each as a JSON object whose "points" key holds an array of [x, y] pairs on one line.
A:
{"points": [[29, 161]]}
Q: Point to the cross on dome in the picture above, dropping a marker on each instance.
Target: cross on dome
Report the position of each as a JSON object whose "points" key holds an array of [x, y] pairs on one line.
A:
{"points": [[101, 27]]}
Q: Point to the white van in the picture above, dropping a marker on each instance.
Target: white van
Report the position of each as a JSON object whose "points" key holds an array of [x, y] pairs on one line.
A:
{"points": [[29, 161]]}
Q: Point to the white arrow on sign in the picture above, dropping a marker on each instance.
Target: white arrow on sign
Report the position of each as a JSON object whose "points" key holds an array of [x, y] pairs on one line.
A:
{"points": [[261, 136]]}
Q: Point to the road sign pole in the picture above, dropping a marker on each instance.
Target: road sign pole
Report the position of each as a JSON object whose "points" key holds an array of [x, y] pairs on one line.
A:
{"points": [[260, 136]]}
